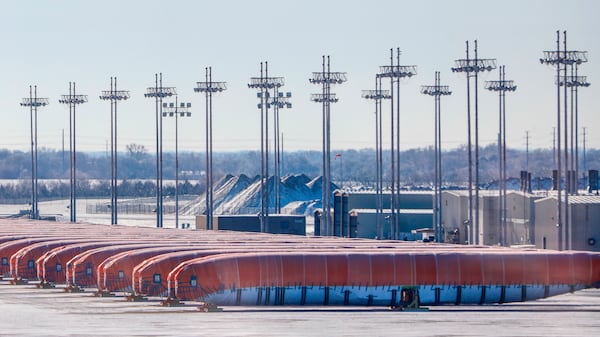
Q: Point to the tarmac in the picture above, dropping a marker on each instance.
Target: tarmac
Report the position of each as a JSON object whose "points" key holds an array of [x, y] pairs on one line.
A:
{"points": [[29, 311]]}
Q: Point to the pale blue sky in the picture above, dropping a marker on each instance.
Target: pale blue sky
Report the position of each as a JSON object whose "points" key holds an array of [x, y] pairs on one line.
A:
{"points": [[50, 43]]}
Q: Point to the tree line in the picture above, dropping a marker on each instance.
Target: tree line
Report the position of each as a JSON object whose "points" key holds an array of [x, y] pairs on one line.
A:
{"points": [[137, 168]]}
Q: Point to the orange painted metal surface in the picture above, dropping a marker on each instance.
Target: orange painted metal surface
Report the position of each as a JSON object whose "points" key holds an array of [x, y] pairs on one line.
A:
{"points": [[254, 268]]}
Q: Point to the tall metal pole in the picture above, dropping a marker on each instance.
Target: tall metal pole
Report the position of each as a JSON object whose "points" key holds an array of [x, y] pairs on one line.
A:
{"points": [[113, 203], [71, 152], [72, 99], [279, 100], [266, 154], [158, 184], [208, 87], [264, 83], [576, 133], [33, 163], [35, 136], [566, 140], [176, 167], [502, 86], [558, 147], [158, 92], [394, 218], [160, 175], [209, 187], [477, 228], [558, 59], [33, 102], [177, 110], [327, 173], [396, 206], [326, 78], [437, 90], [584, 155], [575, 82], [475, 66], [395, 73], [113, 95]]}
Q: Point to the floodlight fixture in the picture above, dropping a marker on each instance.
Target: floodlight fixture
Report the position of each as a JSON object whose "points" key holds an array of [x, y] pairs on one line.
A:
{"points": [[397, 71]]}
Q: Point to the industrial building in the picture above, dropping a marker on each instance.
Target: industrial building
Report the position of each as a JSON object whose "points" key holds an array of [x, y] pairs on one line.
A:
{"points": [[583, 230], [355, 214], [277, 223], [520, 216]]}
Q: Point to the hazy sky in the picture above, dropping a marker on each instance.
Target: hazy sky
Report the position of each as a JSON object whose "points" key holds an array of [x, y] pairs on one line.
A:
{"points": [[50, 43]]}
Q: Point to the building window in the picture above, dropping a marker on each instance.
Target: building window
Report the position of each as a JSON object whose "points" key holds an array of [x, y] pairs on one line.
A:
{"points": [[4, 261], [30, 264], [193, 281], [156, 278], [587, 213], [121, 274], [88, 269], [58, 267]]}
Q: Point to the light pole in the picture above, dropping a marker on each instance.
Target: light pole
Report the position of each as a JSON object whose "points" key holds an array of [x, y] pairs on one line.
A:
{"points": [[264, 83], [326, 78], [502, 86], [158, 92], [437, 90], [33, 102], [72, 99], [179, 109], [574, 81], [378, 95], [561, 60], [395, 72], [208, 88], [280, 100], [113, 95], [474, 66]]}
